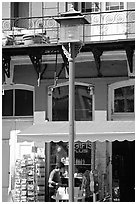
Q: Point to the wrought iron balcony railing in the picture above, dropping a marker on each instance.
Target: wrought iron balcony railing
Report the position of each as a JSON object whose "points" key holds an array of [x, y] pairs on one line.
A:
{"points": [[103, 26]]}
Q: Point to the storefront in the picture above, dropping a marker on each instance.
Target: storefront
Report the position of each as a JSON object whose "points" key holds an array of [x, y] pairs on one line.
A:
{"points": [[100, 144], [95, 150]]}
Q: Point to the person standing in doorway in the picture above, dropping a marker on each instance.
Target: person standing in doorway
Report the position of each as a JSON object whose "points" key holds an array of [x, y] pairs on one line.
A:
{"points": [[55, 179]]}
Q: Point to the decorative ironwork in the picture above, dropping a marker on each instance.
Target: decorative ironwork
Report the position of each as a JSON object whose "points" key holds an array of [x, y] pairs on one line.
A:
{"points": [[130, 53], [66, 63], [97, 54], [37, 60], [43, 71], [103, 26], [65, 48], [6, 65], [78, 47]]}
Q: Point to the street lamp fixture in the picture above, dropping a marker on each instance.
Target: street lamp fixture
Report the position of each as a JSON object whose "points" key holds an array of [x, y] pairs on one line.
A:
{"points": [[71, 26], [72, 39]]}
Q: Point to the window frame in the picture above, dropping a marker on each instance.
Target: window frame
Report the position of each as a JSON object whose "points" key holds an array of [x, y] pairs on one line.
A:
{"points": [[20, 87], [109, 10], [50, 90], [111, 89], [94, 11], [79, 7]]}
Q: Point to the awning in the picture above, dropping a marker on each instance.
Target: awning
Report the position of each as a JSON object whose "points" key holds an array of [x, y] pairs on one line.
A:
{"points": [[84, 131]]}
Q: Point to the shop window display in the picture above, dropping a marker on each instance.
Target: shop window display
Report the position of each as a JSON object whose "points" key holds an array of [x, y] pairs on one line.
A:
{"points": [[84, 176], [31, 178], [82, 155]]}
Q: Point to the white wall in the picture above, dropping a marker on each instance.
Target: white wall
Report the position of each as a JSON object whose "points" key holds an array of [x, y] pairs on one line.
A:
{"points": [[7, 126], [6, 10]]}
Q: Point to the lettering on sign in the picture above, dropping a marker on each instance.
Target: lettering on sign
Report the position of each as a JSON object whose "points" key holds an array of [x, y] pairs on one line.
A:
{"points": [[82, 147]]}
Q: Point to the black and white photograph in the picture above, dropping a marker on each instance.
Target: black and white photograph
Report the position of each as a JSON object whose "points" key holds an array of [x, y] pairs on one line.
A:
{"points": [[68, 101]]}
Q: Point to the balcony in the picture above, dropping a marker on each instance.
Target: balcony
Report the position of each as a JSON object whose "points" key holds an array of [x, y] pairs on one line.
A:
{"points": [[104, 26]]}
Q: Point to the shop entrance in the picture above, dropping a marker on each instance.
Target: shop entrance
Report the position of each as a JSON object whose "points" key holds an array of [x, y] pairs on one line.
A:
{"points": [[123, 169]]}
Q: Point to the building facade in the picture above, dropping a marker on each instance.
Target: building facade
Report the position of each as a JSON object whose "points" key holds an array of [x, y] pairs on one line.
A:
{"points": [[35, 91]]}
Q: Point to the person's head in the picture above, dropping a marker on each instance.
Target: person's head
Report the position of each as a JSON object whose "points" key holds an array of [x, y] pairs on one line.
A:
{"points": [[60, 166]]}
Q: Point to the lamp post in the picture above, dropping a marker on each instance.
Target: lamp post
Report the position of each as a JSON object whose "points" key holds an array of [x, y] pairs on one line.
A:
{"points": [[72, 38]]}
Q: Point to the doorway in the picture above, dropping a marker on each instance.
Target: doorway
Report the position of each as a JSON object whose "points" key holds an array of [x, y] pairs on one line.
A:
{"points": [[123, 169]]}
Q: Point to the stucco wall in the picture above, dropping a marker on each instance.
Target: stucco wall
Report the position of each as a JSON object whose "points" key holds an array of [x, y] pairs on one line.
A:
{"points": [[6, 12], [26, 74], [35, 9], [7, 126]]}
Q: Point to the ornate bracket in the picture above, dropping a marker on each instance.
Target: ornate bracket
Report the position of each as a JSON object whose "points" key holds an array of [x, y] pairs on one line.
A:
{"points": [[78, 47], [63, 66], [66, 49], [43, 71], [97, 54], [66, 63], [36, 60], [130, 53], [66, 55], [6, 65]]}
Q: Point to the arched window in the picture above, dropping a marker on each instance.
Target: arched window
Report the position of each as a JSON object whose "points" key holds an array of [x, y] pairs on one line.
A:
{"points": [[59, 98], [17, 100], [121, 100]]}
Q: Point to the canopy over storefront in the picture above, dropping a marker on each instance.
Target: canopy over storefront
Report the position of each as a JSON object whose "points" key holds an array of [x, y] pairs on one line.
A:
{"points": [[85, 130]]}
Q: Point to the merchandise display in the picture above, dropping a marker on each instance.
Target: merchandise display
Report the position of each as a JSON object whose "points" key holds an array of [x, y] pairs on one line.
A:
{"points": [[29, 185], [40, 178]]}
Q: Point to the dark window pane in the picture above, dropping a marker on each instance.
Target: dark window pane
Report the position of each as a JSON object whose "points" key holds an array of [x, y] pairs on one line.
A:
{"points": [[130, 105], [23, 102], [83, 7], [60, 106], [76, 6], [7, 103], [124, 99], [119, 105], [90, 6], [83, 104]]}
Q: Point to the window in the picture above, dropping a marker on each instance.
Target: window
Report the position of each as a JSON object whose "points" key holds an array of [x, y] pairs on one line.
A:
{"points": [[110, 6], [85, 6], [15, 9], [121, 100], [124, 99], [17, 101], [23, 102], [90, 6], [20, 9], [83, 103], [82, 160], [7, 103]]}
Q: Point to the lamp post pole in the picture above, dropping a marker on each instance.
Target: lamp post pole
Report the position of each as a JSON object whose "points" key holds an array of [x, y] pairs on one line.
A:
{"points": [[71, 119], [71, 33]]}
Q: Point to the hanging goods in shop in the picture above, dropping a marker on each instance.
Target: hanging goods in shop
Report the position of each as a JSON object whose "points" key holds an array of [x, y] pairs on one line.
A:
{"points": [[29, 180]]}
